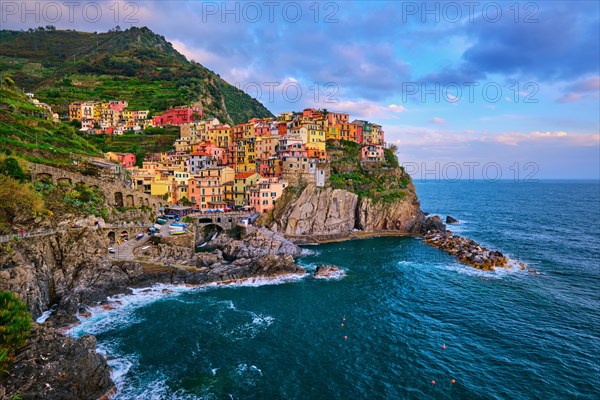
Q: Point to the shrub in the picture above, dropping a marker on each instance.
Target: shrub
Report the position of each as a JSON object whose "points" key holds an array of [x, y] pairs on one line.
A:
{"points": [[15, 327], [10, 167]]}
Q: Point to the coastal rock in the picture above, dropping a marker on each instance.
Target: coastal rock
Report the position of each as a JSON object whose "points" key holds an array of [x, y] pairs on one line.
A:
{"points": [[318, 211], [468, 251], [260, 243], [328, 271], [207, 259], [333, 213], [52, 366], [451, 220], [433, 223], [173, 250]]}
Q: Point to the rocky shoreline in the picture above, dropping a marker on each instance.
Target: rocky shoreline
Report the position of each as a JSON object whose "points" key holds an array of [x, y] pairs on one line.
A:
{"points": [[469, 252], [55, 366], [70, 271]]}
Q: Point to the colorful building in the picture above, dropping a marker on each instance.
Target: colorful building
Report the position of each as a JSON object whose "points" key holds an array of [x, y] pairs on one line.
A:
{"points": [[264, 194], [177, 116], [125, 159]]}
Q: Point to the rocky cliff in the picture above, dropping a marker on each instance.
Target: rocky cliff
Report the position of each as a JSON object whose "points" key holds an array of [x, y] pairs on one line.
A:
{"points": [[70, 270], [53, 366], [335, 212], [370, 197], [51, 269]]}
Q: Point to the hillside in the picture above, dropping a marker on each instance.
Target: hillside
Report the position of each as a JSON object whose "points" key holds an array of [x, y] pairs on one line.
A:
{"points": [[136, 65], [26, 131]]}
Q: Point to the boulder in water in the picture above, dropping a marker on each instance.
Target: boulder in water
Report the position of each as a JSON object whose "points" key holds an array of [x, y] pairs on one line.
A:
{"points": [[451, 220], [328, 271]]}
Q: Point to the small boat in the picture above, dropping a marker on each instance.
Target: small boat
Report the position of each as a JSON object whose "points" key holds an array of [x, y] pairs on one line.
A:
{"points": [[177, 232], [179, 225]]}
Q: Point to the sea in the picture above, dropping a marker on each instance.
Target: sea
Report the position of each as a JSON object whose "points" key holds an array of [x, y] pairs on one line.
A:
{"points": [[405, 322]]}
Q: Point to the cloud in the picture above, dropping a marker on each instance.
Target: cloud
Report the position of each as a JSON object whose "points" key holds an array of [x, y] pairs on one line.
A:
{"points": [[369, 109], [436, 139], [437, 120], [529, 48], [584, 88], [396, 108], [559, 137]]}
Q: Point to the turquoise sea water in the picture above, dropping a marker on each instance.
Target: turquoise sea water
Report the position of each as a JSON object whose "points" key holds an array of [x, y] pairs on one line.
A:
{"points": [[507, 335]]}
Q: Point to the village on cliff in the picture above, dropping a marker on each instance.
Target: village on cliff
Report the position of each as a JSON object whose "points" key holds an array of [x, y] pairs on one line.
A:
{"points": [[215, 166]]}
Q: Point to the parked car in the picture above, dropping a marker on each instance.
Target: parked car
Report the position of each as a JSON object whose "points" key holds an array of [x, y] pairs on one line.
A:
{"points": [[111, 250], [139, 236], [161, 221]]}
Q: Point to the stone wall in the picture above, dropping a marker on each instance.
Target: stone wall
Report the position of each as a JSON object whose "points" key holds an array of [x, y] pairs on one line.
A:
{"points": [[115, 193]]}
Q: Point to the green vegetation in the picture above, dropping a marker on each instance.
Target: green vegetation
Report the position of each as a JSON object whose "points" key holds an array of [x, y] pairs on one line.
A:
{"points": [[15, 327], [68, 199], [135, 65], [386, 183], [19, 203], [25, 130], [10, 167]]}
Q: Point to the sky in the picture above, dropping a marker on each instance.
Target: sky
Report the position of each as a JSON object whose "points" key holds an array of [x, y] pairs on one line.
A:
{"points": [[465, 89]]}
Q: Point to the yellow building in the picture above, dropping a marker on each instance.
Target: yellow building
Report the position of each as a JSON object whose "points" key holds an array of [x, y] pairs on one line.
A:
{"points": [[241, 186], [245, 156]]}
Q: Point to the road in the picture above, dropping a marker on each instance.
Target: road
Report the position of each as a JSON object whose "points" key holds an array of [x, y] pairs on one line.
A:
{"points": [[124, 251]]}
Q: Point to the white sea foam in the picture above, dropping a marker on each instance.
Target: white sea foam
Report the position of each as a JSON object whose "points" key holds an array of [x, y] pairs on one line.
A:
{"points": [[262, 320], [335, 275], [407, 263], [249, 330], [118, 310], [249, 374], [45, 315], [497, 273], [259, 281], [309, 252]]}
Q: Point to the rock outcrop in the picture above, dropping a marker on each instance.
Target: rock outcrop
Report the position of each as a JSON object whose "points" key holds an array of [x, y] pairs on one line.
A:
{"points": [[322, 211], [469, 252], [258, 244], [171, 249], [451, 220], [52, 366], [46, 270], [432, 223], [328, 272], [402, 215], [334, 212]]}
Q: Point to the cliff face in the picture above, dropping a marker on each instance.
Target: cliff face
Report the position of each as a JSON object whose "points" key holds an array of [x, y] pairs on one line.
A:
{"points": [[51, 269], [334, 212], [53, 366], [369, 196], [316, 210], [403, 214]]}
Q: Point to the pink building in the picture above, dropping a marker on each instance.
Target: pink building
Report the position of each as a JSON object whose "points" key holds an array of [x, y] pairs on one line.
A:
{"points": [[117, 105], [372, 153], [205, 190], [177, 116], [263, 196], [262, 129]]}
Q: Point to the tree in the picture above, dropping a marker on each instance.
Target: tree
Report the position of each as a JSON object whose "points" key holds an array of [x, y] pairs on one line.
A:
{"points": [[15, 327], [184, 201], [10, 167], [18, 200]]}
